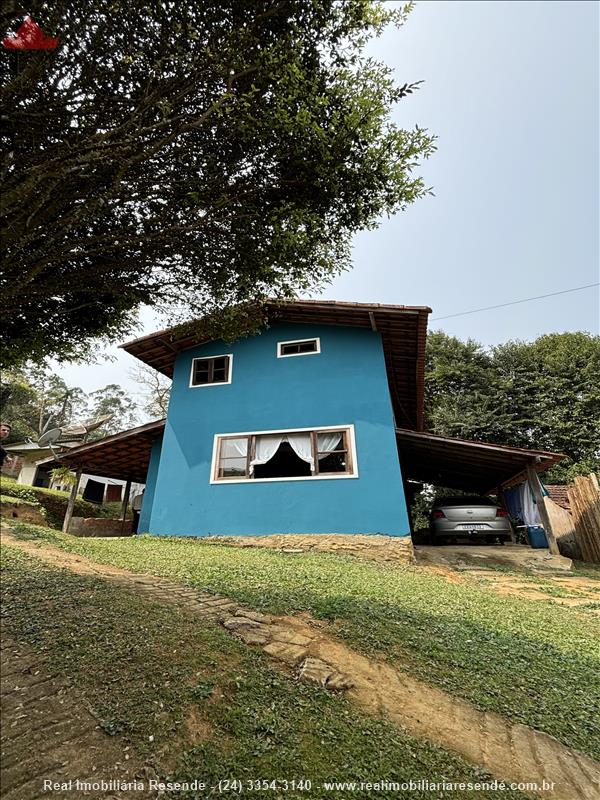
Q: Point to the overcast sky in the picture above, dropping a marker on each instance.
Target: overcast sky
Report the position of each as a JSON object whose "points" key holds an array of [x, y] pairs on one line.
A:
{"points": [[511, 91]]}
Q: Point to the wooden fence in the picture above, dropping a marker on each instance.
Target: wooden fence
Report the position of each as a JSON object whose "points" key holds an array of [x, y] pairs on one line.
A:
{"points": [[563, 526], [584, 499]]}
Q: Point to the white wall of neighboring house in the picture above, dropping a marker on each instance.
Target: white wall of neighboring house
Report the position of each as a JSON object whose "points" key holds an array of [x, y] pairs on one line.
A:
{"points": [[27, 473]]}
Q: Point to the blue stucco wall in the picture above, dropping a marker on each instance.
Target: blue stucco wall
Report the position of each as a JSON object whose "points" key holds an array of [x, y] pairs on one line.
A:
{"points": [[148, 499], [345, 384]]}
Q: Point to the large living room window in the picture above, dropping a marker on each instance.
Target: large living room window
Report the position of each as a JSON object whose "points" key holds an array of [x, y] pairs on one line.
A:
{"points": [[306, 454]]}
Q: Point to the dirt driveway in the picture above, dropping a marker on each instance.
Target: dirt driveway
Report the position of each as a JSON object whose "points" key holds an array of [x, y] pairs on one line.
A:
{"points": [[514, 570]]}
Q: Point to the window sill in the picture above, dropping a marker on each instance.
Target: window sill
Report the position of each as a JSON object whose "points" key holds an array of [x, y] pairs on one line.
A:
{"points": [[331, 477]]}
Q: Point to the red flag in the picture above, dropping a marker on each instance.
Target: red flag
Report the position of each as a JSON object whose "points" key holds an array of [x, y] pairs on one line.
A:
{"points": [[29, 36]]}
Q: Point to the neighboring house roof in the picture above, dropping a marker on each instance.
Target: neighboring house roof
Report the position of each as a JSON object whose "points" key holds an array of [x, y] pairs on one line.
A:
{"points": [[23, 447], [29, 448], [559, 494], [403, 331], [457, 463], [124, 455]]}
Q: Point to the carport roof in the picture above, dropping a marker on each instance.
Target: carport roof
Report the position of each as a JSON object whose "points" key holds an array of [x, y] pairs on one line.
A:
{"points": [[426, 457], [464, 464]]}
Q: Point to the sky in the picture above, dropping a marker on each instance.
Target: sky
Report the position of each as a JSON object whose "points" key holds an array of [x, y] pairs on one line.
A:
{"points": [[511, 90]]}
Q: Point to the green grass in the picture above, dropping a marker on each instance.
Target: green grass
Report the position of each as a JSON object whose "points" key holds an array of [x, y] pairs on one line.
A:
{"points": [[533, 661], [16, 501], [143, 669]]}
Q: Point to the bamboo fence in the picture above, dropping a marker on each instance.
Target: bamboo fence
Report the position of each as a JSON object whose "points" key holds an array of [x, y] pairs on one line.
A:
{"points": [[584, 500]]}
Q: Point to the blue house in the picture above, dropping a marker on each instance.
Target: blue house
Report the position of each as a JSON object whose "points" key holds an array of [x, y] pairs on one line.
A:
{"points": [[289, 431], [314, 426]]}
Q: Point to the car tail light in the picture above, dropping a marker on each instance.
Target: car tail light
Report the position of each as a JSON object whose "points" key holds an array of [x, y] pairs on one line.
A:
{"points": [[500, 512], [438, 514]]}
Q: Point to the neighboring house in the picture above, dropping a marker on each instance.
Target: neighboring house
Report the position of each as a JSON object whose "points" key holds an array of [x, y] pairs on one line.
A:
{"points": [[29, 472], [313, 426], [559, 495]]}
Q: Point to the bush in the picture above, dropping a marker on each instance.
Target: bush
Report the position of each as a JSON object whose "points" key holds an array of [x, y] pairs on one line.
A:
{"points": [[52, 501]]}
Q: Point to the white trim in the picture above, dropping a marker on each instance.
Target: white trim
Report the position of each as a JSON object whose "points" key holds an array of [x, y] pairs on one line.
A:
{"points": [[217, 383], [328, 477], [316, 339]]}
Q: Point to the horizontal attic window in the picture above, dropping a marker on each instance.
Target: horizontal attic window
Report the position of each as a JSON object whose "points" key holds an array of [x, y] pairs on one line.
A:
{"points": [[285, 455], [299, 347], [210, 371]]}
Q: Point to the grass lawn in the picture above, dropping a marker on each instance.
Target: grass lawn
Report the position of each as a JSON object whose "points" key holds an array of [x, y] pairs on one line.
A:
{"points": [[535, 662], [195, 703]]}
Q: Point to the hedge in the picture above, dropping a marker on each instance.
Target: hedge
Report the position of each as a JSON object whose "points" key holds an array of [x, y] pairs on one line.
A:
{"points": [[52, 501]]}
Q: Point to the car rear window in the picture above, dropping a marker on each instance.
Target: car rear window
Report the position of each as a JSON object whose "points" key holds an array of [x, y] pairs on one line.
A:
{"points": [[466, 500]]}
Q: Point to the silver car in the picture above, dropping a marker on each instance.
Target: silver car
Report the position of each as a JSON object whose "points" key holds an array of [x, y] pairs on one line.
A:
{"points": [[454, 518]]}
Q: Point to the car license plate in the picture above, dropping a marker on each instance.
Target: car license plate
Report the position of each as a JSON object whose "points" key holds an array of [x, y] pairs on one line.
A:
{"points": [[473, 527]]}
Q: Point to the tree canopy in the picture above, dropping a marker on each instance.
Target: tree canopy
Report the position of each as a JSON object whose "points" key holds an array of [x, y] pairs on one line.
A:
{"points": [[33, 401], [191, 156], [543, 394]]}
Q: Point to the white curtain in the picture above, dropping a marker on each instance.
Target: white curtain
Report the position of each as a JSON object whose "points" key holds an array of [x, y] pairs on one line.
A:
{"points": [[266, 447], [301, 445], [531, 514], [230, 448], [327, 442]]}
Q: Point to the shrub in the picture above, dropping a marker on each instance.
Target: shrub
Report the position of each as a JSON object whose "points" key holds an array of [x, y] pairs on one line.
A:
{"points": [[52, 501]]}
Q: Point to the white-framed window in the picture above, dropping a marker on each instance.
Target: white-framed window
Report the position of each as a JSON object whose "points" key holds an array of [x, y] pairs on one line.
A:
{"points": [[300, 454], [211, 370], [299, 347]]}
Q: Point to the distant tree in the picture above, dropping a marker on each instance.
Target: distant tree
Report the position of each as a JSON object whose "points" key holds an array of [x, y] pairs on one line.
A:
{"points": [[462, 391], [543, 394], [553, 393], [36, 400], [17, 403], [190, 155], [155, 389], [112, 399]]}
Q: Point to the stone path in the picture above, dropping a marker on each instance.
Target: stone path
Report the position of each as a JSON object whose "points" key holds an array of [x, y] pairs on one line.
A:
{"points": [[46, 718], [509, 751]]}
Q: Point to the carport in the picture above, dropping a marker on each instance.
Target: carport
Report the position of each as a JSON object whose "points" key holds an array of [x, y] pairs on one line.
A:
{"points": [[479, 467], [125, 456]]}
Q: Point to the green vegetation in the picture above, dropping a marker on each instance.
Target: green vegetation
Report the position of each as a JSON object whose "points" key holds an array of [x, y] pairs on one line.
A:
{"points": [[147, 673], [54, 502], [543, 394], [533, 661], [16, 501], [226, 152]]}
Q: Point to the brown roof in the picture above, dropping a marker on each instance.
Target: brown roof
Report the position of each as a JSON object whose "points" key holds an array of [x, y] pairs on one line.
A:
{"points": [[124, 455], [559, 494], [465, 464], [403, 331]]}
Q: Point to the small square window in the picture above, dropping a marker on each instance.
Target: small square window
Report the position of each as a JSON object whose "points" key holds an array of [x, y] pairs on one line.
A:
{"points": [[207, 371], [301, 347]]}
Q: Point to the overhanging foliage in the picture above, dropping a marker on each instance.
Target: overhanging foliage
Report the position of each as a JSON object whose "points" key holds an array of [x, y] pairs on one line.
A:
{"points": [[191, 155]]}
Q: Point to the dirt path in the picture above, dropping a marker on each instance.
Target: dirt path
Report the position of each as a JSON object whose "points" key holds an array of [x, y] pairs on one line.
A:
{"points": [[511, 752], [46, 718]]}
